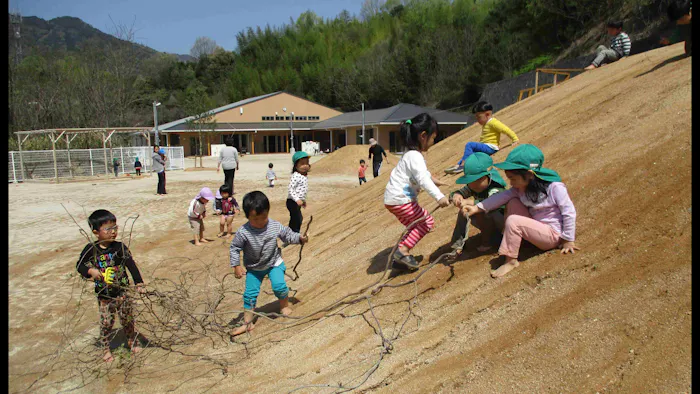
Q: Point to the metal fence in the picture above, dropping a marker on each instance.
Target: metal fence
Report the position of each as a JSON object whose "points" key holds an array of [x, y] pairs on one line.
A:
{"points": [[87, 162]]}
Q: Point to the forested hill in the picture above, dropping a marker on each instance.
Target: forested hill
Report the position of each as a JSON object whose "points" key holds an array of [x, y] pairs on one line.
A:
{"points": [[437, 53]]}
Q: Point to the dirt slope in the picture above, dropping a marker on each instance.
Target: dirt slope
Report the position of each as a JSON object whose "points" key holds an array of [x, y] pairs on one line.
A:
{"points": [[614, 317], [346, 160]]}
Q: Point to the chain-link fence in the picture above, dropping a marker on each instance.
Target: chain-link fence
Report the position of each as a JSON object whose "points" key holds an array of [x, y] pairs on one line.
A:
{"points": [[87, 162]]}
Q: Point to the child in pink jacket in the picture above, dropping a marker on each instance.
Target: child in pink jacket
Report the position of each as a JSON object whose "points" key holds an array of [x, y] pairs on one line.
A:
{"points": [[538, 207]]}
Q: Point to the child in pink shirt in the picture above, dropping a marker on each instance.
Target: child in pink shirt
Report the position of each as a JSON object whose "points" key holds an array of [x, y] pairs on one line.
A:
{"points": [[538, 207]]}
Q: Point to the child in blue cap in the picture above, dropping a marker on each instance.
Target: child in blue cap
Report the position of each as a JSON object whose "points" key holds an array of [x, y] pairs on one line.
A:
{"points": [[481, 181]]}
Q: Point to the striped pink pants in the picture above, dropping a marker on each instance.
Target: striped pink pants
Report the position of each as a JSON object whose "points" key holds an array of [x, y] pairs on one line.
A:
{"points": [[407, 214]]}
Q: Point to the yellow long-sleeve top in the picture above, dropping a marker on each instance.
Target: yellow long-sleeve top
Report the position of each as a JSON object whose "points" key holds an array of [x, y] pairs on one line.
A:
{"points": [[491, 132]]}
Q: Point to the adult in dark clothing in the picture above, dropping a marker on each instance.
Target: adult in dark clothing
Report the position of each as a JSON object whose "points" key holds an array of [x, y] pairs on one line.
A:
{"points": [[377, 151], [679, 13], [159, 167]]}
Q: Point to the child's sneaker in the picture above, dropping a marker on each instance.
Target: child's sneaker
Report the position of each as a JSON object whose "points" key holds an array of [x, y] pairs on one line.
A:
{"points": [[401, 260]]}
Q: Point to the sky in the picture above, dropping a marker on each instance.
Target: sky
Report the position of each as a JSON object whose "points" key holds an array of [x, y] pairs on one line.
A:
{"points": [[173, 25]]}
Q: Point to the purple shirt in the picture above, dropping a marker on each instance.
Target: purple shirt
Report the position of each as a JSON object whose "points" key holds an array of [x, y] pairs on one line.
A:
{"points": [[556, 210]]}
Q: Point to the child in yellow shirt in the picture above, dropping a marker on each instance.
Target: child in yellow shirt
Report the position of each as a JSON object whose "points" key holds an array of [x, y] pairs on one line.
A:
{"points": [[491, 132]]}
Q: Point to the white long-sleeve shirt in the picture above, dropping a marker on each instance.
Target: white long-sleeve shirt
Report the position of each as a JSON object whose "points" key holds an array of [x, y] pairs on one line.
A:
{"points": [[407, 179], [298, 186], [196, 209]]}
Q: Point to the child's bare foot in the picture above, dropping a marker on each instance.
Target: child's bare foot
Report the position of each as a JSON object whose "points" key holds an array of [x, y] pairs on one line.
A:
{"points": [[108, 358], [204, 240], [286, 311], [197, 243], [136, 349], [590, 67], [505, 268], [242, 329], [221, 234], [483, 248]]}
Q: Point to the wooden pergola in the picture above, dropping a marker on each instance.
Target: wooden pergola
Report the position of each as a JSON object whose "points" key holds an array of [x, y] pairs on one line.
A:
{"points": [[70, 134]]}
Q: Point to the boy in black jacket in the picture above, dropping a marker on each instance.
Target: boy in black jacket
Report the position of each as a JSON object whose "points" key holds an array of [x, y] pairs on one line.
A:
{"points": [[106, 262]]}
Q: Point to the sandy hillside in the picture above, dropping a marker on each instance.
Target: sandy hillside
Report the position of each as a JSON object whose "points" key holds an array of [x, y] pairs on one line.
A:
{"points": [[346, 161], [614, 317]]}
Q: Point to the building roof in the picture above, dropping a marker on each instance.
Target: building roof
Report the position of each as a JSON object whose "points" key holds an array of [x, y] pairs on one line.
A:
{"points": [[225, 126], [392, 115], [169, 126]]}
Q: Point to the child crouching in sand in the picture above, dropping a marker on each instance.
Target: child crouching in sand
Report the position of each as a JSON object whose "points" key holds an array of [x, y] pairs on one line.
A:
{"points": [[196, 213], [481, 181], [538, 207], [262, 257]]}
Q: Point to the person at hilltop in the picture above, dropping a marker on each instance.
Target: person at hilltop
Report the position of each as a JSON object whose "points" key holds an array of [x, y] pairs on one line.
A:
{"points": [[196, 213], [298, 188], [620, 46], [481, 181], [491, 130], [159, 160], [680, 13], [375, 153], [411, 174], [538, 207], [106, 262], [260, 257], [361, 172], [228, 160]]}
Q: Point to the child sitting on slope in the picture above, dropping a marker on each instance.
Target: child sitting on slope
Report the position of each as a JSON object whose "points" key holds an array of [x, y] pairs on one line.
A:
{"points": [[538, 207], [481, 181], [257, 239], [411, 174]]}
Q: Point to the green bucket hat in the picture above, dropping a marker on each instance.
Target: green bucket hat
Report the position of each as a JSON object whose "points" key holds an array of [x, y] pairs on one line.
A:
{"points": [[528, 157], [299, 155], [478, 165]]}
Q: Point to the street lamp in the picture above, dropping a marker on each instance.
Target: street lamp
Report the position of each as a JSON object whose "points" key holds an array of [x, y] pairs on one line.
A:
{"points": [[291, 130], [155, 120]]}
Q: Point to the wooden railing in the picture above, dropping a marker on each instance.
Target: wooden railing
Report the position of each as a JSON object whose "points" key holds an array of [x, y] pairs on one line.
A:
{"points": [[566, 72]]}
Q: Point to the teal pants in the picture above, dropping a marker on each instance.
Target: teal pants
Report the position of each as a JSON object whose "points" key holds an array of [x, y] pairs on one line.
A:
{"points": [[253, 280]]}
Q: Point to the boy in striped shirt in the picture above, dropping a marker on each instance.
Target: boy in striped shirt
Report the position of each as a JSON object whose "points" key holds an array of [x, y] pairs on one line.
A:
{"points": [[262, 257], [620, 46]]}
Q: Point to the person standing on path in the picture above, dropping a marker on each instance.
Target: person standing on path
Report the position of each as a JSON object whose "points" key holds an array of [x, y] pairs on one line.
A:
{"points": [[228, 160], [159, 167], [377, 151]]}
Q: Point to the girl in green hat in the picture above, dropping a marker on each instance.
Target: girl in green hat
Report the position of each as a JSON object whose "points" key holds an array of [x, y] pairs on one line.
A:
{"points": [[298, 187], [538, 207], [481, 181]]}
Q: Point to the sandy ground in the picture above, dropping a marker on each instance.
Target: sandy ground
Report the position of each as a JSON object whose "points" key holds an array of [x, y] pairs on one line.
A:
{"points": [[614, 317]]}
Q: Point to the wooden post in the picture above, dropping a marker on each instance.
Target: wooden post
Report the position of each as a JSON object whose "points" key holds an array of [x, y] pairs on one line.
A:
{"points": [[92, 171], [53, 151], [21, 161], [252, 143], [286, 140], [70, 166], [14, 172], [555, 79], [121, 154], [104, 151], [537, 77], [331, 133]]}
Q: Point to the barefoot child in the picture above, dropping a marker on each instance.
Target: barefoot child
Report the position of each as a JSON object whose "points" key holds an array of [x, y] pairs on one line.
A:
{"points": [[106, 262], [411, 174], [226, 206], [271, 176], [361, 172], [490, 138], [196, 213], [298, 187], [482, 181], [257, 239], [620, 46], [538, 207]]}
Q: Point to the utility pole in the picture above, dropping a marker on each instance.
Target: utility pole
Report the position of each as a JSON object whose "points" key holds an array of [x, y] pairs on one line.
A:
{"points": [[155, 120], [363, 123]]}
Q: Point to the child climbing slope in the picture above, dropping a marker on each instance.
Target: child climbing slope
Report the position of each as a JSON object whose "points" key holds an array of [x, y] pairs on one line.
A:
{"points": [[538, 207], [411, 174], [257, 239], [490, 139], [298, 187]]}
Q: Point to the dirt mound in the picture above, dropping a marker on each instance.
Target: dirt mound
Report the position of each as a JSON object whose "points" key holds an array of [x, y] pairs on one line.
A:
{"points": [[614, 317], [346, 160]]}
